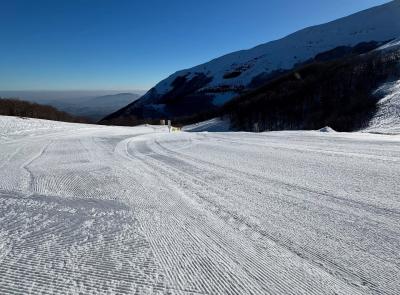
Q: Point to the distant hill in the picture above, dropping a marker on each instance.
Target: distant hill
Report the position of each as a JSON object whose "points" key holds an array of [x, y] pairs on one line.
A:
{"points": [[92, 104], [95, 108], [20, 108], [206, 87]]}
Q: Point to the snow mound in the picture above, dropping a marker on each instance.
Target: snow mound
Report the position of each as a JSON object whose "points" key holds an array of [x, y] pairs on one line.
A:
{"points": [[326, 129]]}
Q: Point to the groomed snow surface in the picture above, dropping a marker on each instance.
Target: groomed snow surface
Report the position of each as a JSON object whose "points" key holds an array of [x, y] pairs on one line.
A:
{"points": [[116, 210]]}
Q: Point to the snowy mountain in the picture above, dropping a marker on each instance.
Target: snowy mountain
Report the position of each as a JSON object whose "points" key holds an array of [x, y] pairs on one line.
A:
{"points": [[210, 85]]}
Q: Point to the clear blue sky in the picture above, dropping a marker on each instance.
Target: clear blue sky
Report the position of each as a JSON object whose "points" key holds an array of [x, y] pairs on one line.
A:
{"points": [[131, 44]]}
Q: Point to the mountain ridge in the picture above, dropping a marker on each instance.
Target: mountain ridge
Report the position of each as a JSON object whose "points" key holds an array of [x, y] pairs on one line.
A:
{"points": [[210, 85]]}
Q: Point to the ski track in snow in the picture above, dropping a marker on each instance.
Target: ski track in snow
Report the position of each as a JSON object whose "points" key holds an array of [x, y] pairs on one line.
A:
{"points": [[117, 210]]}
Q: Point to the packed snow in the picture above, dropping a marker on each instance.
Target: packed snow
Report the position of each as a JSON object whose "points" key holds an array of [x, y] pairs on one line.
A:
{"points": [[137, 210]]}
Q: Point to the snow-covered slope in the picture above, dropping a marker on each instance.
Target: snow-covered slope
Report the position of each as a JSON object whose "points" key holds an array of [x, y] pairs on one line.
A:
{"points": [[392, 45], [224, 77], [88, 209], [387, 118], [212, 125]]}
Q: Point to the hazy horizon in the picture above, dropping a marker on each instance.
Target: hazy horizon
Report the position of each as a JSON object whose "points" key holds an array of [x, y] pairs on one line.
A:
{"points": [[44, 95], [132, 45]]}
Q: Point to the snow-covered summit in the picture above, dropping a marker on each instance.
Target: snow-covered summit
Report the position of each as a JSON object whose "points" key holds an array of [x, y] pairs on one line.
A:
{"points": [[380, 24]]}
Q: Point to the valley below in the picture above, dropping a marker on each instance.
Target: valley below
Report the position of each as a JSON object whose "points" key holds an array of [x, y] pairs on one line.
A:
{"points": [[88, 209]]}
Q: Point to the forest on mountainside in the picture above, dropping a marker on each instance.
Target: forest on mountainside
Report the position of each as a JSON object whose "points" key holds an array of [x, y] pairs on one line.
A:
{"points": [[337, 93]]}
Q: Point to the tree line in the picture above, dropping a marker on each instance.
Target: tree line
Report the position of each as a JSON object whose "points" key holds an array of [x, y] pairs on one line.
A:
{"points": [[20, 108]]}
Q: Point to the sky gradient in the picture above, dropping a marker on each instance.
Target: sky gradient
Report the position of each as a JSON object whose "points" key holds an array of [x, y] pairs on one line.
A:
{"points": [[123, 44]]}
